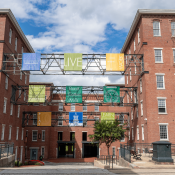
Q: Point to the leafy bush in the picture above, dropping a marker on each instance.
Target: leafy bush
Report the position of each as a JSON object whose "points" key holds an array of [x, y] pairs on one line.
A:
{"points": [[38, 163], [16, 163]]}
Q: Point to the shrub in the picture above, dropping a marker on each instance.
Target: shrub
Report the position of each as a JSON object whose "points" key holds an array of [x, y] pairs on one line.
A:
{"points": [[25, 163], [38, 163], [16, 163]]}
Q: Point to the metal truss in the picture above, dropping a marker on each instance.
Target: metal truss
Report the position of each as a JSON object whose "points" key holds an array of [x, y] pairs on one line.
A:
{"points": [[92, 95], [64, 116], [93, 64]]}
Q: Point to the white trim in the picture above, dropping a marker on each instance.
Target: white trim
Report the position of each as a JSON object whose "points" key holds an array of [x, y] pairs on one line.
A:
{"points": [[173, 48], [163, 123], [163, 81], [167, 131], [157, 48], [41, 150], [164, 98], [84, 131], [142, 124], [159, 73]]}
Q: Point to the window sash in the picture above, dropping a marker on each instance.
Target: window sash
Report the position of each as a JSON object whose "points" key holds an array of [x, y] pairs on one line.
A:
{"points": [[34, 135], [160, 81], [96, 107], [18, 111], [6, 82], [173, 28], [34, 119], [137, 133], [72, 106], [161, 106], [43, 135], [22, 135], [163, 132], [84, 108], [158, 55], [60, 122], [121, 118], [60, 107], [10, 132], [140, 85], [10, 36], [156, 28], [17, 132], [3, 130], [142, 132], [84, 121], [174, 55], [142, 108], [16, 42], [5, 105]]}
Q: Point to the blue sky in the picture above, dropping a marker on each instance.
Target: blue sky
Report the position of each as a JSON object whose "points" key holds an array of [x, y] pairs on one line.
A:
{"points": [[85, 26]]}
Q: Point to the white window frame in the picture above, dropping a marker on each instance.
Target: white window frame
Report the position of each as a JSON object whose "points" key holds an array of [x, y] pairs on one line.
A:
{"points": [[25, 79], [18, 111], [20, 93], [17, 132], [156, 29], [173, 55], [36, 135], [3, 132], [16, 44], [173, 22], [43, 135], [129, 135], [162, 98], [21, 153], [113, 149], [61, 122], [84, 107], [10, 132], [141, 107], [134, 45], [22, 134], [138, 32], [35, 119], [127, 79], [160, 74], [137, 132], [140, 85], [127, 98], [143, 132], [20, 75], [132, 133], [96, 107], [60, 107], [72, 106], [164, 124], [41, 150], [10, 36], [6, 82], [11, 109], [131, 113], [5, 105], [161, 55]]}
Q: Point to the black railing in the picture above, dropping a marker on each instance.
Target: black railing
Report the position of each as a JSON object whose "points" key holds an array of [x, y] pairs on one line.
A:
{"points": [[108, 160], [125, 151], [6, 149], [172, 149]]}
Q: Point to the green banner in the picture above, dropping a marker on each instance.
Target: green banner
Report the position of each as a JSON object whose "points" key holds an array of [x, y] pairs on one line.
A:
{"points": [[73, 61], [107, 116], [36, 93], [111, 94], [74, 94]]}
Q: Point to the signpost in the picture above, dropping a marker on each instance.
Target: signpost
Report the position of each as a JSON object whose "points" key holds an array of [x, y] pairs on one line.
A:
{"points": [[75, 118], [111, 94], [43, 118], [74, 94]]}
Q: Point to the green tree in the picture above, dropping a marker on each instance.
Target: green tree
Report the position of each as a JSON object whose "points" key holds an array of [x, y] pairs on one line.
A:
{"points": [[107, 132]]}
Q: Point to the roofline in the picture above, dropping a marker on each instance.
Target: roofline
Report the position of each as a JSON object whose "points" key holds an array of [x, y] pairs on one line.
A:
{"points": [[137, 18], [18, 28]]}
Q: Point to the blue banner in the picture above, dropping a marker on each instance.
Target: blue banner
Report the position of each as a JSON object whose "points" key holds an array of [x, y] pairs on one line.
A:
{"points": [[31, 61], [75, 118]]}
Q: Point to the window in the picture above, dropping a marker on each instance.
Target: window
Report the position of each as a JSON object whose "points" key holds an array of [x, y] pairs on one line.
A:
{"points": [[113, 151], [19, 92], [84, 136], [161, 106], [160, 81], [11, 109], [72, 136], [72, 106], [85, 107], [130, 74], [3, 131], [6, 82], [10, 132], [5, 105], [137, 132], [43, 135], [173, 28], [22, 49], [17, 132], [34, 135], [26, 133], [96, 107], [60, 121], [132, 133], [142, 132], [84, 121], [129, 135], [22, 135], [34, 119], [122, 138], [16, 42], [42, 151], [20, 75], [25, 79], [137, 112], [163, 131], [10, 36], [140, 85], [60, 136], [135, 96], [174, 55], [127, 98], [134, 45], [60, 107], [24, 95], [18, 111], [21, 153], [156, 28], [138, 36], [16, 151], [127, 79], [121, 118], [135, 69], [121, 101], [158, 56], [141, 106], [131, 113], [96, 118]]}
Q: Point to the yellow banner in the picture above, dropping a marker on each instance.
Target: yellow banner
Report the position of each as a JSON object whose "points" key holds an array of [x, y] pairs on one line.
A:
{"points": [[115, 62], [43, 118]]}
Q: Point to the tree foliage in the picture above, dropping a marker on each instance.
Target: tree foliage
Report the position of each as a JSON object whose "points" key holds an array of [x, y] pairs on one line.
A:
{"points": [[107, 132]]}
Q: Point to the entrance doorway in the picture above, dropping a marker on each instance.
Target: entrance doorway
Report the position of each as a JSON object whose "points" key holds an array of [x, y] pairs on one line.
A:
{"points": [[33, 154], [90, 150]]}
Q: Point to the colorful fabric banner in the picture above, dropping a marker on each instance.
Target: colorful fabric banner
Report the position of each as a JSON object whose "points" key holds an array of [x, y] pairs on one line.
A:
{"points": [[36, 93], [73, 61], [74, 94], [75, 118], [31, 61], [115, 62], [111, 94], [43, 118], [107, 116]]}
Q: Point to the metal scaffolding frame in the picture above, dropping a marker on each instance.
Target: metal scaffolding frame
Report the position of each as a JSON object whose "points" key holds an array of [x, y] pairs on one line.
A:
{"points": [[56, 116], [93, 64], [92, 95]]}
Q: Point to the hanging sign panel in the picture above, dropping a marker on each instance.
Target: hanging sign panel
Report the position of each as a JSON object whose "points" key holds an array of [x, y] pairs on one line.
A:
{"points": [[36, 93], [111, 94], [74, 94], [75, 118], [107, 116], [115, 62], [43, 118], [31, 61], [73, 61]]}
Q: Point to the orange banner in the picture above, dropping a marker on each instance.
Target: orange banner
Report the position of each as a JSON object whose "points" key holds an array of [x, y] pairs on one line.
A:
{"points": [[115, 62], [43, 118]]}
